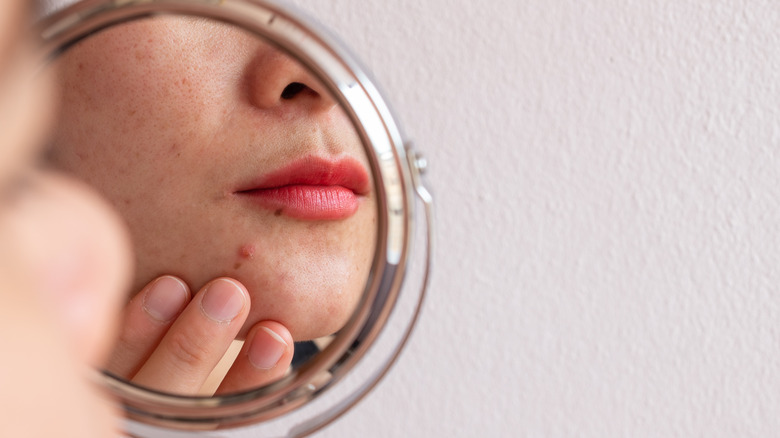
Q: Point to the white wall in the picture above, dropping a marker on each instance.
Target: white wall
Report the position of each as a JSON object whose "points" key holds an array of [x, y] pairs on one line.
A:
{"points": [[605, 174]]}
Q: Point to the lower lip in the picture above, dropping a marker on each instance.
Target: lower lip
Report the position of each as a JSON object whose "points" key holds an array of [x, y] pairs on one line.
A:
{"points": [[307, 202]]}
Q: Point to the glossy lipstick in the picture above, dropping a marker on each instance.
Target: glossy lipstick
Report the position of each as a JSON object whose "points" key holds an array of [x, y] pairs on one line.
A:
{"points": [[313, 188]]}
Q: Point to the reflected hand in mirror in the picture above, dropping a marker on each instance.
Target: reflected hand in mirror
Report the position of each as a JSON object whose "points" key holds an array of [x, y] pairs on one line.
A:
{"points": [[245, 187], [173, 343]]}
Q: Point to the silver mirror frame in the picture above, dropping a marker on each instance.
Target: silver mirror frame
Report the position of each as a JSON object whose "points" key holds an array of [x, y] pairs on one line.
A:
{"points": [[396, 168]]}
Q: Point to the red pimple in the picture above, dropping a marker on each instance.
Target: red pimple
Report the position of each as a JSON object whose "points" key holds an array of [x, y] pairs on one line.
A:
{"points": [[247, 251]]}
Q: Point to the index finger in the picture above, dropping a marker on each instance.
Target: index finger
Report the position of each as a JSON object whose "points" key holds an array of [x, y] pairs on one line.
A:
{"points": [[197, 340]]}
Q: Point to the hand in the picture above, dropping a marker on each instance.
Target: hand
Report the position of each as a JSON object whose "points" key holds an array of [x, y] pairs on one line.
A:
{"points": [[64, 262], [171, 341]]}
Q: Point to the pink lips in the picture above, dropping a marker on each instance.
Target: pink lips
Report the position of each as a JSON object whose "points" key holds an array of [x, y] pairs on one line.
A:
{"points": [[312, 188]]}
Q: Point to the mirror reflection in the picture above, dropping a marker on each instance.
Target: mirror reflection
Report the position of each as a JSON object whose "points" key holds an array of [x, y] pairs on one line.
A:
{"points": [[246, 190]]}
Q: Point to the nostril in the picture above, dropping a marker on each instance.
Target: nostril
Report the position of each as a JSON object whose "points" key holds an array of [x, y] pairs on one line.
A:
{"points": [[292, 90]]}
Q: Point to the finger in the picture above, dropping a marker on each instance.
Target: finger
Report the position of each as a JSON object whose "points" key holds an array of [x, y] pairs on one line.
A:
{"points": [[146, 319], [264, 358], [197, 340]]}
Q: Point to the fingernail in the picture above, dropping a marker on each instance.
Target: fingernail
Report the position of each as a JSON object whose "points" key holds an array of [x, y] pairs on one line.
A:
{"points": [[266, 349], [166, 298], [223, 300]]}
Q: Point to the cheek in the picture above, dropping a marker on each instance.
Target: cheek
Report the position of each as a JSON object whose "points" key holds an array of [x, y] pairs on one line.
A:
{"points": [[311, 295], [307, 277], [313, 282], [140, 87], [131, 137]]}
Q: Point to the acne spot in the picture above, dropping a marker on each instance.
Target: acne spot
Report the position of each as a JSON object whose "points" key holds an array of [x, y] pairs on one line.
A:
{"points": [[246, 252], [278, 212]]}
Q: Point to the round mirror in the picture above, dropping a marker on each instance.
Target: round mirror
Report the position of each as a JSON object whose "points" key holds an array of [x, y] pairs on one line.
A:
{"points": [[246, 190], [267, 190]]}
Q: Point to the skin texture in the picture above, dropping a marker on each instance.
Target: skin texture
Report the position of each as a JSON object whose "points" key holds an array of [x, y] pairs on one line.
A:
{"points": [[168, 118]]}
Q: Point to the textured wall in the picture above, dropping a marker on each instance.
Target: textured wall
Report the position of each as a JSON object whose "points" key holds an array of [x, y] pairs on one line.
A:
{"points": [[608, 215]]}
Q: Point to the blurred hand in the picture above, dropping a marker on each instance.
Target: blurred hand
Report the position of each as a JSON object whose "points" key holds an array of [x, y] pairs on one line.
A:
{"points": [[64, 260]]}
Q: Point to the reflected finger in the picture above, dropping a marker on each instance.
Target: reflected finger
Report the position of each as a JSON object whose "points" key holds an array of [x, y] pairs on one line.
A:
{"points": [[265, 357], [147, 317], [198, 339]]}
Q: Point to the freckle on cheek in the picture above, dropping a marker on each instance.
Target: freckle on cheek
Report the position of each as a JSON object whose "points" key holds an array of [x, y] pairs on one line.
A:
{"points": [[247, 251]]}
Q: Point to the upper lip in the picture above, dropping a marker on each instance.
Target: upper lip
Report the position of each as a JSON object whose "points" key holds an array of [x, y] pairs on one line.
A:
{"points": [[315, 171]]}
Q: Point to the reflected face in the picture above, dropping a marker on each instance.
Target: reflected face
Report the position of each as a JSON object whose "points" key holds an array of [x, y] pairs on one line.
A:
{"points": [[226, 158]]}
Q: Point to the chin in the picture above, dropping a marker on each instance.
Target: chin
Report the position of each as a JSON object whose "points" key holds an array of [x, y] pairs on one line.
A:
{"points": [[306, 317]]}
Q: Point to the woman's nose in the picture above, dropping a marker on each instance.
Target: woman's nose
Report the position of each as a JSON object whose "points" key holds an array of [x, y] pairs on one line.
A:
{"points": [[278, 81]]}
